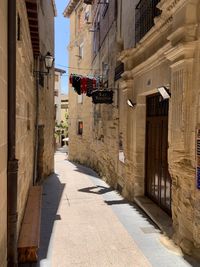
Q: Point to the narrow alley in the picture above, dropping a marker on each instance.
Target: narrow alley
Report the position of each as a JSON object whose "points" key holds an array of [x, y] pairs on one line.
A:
{"points": [[87, 223], [100, 133]]}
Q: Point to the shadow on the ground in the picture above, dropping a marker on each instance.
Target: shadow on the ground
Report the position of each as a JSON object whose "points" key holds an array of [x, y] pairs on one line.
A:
{"points": [[51, 196], [85, 170], [52, 193], [100, 190], [116, 202]]}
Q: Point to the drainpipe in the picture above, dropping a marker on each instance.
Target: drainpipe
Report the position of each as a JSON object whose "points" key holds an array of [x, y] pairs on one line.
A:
{"points": [[37, 80], [12, 164]]}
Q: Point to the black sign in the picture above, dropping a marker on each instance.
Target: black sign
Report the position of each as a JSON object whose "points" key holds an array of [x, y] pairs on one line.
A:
{"points": [[102, 97]]}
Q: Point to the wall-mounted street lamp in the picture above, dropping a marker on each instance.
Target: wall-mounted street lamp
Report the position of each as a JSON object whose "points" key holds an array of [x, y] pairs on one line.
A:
{"points": [[164, 92], [130, 103], [48, 60]]}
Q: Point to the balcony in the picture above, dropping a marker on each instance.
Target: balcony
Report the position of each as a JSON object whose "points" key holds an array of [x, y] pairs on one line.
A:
{"points": [[145, 13]]}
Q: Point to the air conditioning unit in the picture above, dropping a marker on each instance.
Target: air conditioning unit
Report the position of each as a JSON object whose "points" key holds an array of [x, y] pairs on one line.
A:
{"points": [[88, 2]]}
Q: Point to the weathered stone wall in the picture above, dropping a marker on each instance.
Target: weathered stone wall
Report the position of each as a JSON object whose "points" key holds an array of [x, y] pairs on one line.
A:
{"points": [[184, 122], [167, 56], [57, 97], [80, 107], [3, 133], [105, 145], [98, 146], [127, 23], [26, 105], [25, 110], [46, 94]]}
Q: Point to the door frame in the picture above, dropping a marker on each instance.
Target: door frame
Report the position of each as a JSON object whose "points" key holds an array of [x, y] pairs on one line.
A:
{"points": [[146, 159]]}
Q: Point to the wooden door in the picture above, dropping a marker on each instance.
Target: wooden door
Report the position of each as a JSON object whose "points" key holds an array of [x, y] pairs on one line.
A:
{"points": [[158, 180]]}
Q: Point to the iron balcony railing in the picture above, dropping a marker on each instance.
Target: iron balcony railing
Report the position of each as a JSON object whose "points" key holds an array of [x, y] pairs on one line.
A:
{"points": [[145, 13]]}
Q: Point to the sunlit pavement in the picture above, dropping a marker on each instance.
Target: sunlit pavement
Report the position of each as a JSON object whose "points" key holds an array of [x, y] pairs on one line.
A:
{"points": [[86, 223]]}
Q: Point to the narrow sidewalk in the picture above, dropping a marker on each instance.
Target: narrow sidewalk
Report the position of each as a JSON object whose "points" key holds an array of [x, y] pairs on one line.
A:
{"points": [[85, 223]]}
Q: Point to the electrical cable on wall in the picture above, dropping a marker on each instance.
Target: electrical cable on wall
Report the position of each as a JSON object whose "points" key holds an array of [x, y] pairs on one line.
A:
{"points": [[67, 67]]}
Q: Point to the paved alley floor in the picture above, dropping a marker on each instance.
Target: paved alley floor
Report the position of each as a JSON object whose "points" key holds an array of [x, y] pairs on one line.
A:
{"points": [[85, 223]]}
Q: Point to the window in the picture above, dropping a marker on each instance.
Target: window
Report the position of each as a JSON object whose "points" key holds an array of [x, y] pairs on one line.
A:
{"points": [[18, 28], [81, 50], [41, 79], [80, 18], [80, 99], [88, 2], [119, 70], [56, 78], [28, 117], [105, 69], [41, 75], [80, 128], [105, 7], [96, 36], [87, 16], [145, 13], [42, 6]]}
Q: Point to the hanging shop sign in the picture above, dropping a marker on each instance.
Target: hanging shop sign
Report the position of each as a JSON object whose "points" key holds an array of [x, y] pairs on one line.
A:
{"points": [[102, 97], [198, 158]]}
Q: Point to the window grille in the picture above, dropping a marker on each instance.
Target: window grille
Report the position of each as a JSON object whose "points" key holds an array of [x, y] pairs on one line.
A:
{"points": [[118, 71], [145, 13]]}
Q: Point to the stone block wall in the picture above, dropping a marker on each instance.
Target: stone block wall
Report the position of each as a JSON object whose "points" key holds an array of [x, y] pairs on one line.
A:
{"points": [[3, 133], [168, 56], [80, 107], [25, 109], [46, 92], [98, 146]]}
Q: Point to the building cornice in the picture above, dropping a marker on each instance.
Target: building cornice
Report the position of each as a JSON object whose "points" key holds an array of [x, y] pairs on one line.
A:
{"points": [[59, 70], [182, 50], [54, 7], [152, 62], [162, 24], [32, 15], [70, 8]]}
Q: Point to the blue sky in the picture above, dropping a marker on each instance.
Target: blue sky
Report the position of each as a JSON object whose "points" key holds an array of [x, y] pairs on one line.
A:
{"points": [[61, 41]]}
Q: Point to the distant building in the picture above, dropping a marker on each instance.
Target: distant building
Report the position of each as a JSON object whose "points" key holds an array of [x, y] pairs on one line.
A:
{"points": [[80, 56], [57, 93], [64, 107]]}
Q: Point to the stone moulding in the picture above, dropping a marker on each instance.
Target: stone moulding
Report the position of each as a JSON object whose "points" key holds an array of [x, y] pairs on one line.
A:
{"points": [[184, 50], [162, 24], [70, 7], [54, 7], [171, 6]]}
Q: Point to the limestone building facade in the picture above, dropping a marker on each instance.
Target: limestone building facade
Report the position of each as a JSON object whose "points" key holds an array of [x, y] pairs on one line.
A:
{"points": [[3, 132], [162, 134], [146, 143], [57, 94], [80, 106], [27, 106], [61, 110]]}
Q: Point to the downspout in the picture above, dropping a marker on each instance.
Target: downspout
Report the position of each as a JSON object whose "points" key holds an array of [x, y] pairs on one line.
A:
{"points": [[12, 164], [37, 80]]}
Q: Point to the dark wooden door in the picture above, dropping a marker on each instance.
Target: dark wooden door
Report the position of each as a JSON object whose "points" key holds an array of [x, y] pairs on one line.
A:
{"points": [[158, 180]]}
